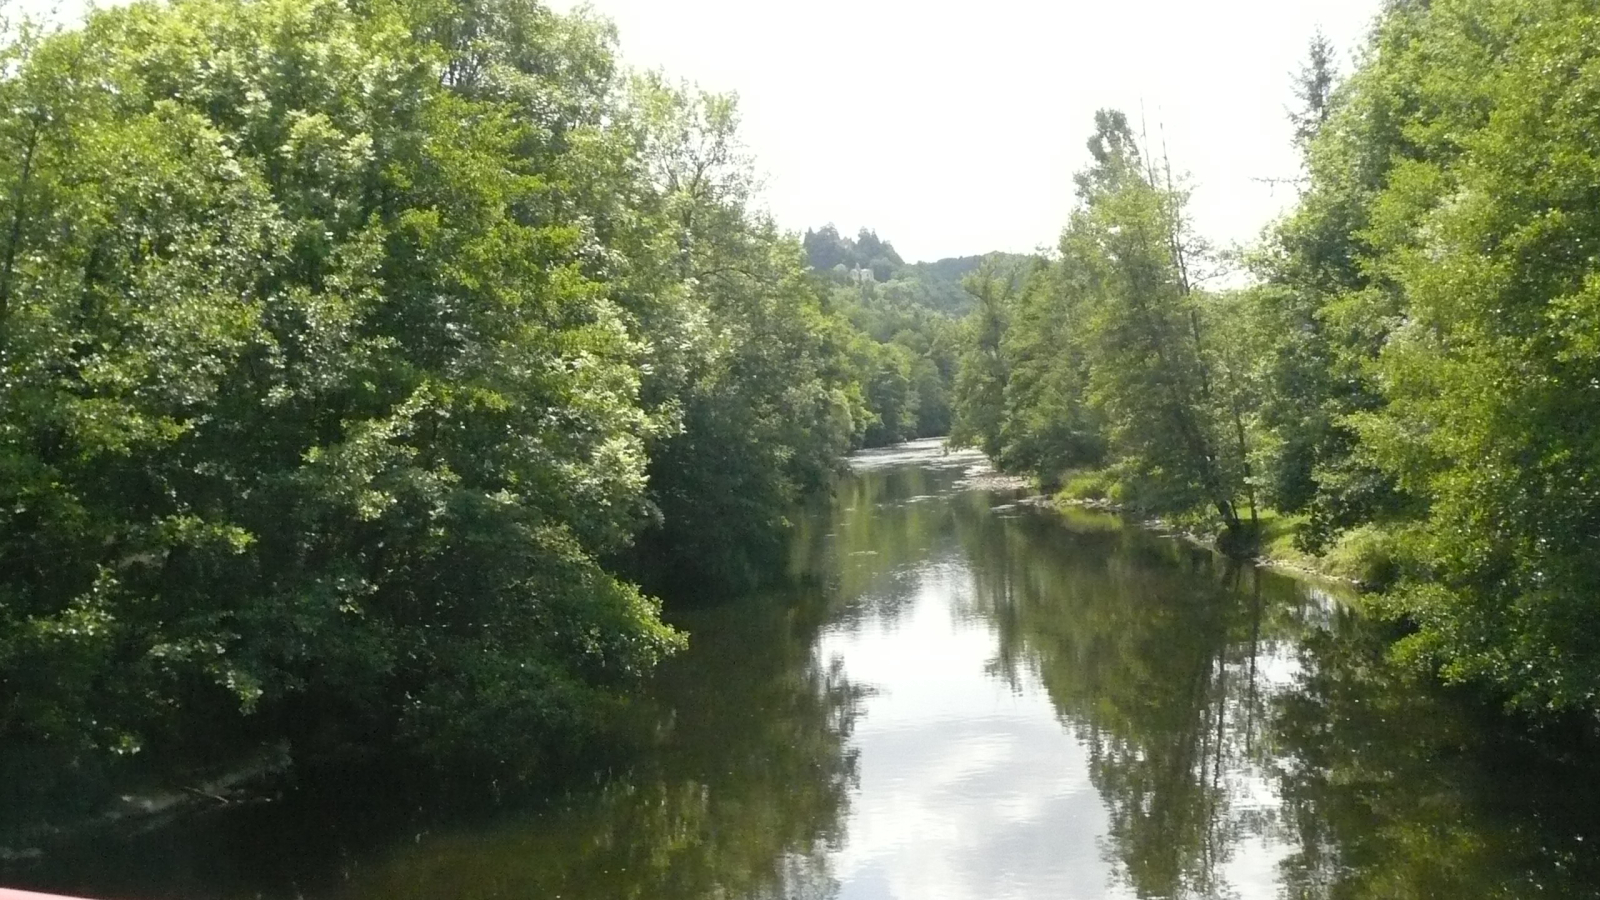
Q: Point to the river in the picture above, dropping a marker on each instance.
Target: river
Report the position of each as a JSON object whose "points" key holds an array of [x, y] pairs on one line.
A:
{"points": [[958, 697]]}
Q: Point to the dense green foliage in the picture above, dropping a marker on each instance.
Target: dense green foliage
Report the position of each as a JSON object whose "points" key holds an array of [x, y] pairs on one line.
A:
{"points": [[349, 352], [1108, 355], [1413, 374], [1476, 319]]}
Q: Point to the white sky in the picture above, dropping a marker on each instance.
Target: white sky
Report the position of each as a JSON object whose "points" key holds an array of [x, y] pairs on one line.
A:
{"points": [[954, 128]]}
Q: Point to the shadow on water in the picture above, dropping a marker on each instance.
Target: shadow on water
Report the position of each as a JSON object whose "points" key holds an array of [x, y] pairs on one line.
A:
{"points": [[1234, 733]]}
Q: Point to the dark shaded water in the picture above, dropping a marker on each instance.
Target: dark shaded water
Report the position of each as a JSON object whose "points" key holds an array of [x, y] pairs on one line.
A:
{"points": [[963, 698]]}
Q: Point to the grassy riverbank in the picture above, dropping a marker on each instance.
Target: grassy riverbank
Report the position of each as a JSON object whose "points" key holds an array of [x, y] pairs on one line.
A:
{"points": [[1362, 557]]}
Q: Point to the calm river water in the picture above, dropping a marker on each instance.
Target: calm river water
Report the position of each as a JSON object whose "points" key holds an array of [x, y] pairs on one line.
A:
{"points": [[961, 698]]}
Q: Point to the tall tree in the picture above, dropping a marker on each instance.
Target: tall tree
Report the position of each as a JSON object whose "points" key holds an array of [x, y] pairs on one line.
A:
{"points": [[1313, 90], [983, 375]]}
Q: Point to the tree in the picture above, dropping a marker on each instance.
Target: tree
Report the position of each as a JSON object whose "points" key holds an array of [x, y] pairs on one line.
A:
{"points": [[981, 379], [1050, 424], [345, 354], [1313, 89], [1490, 374], [1431, 382]]}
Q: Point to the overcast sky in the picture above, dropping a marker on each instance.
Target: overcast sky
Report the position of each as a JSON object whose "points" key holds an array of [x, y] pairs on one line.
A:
{"points": [[954, 127]]}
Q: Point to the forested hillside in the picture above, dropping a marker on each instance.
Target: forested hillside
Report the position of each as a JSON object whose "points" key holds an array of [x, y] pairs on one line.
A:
{"points": [[910, 313], [1410, 389]]}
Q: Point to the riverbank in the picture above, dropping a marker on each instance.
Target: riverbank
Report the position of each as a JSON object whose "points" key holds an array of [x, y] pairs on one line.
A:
{"points": [[1275, 545]]}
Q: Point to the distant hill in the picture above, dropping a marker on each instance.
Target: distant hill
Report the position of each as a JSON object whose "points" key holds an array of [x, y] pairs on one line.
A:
{"points": [[908, 320], [827, 250], [934, 285], [942, 278], [951, 268]]}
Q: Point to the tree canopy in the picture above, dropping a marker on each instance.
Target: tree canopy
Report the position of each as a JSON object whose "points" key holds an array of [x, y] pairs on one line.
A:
{"points": [[358, 360], [1410, 380]]}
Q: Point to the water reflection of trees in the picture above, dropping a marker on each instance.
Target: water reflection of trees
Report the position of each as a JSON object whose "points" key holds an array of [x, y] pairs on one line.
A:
{"points": [[744, 799], [1393, 789], [1225, 709], [1147, 652], [883, 535]]}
